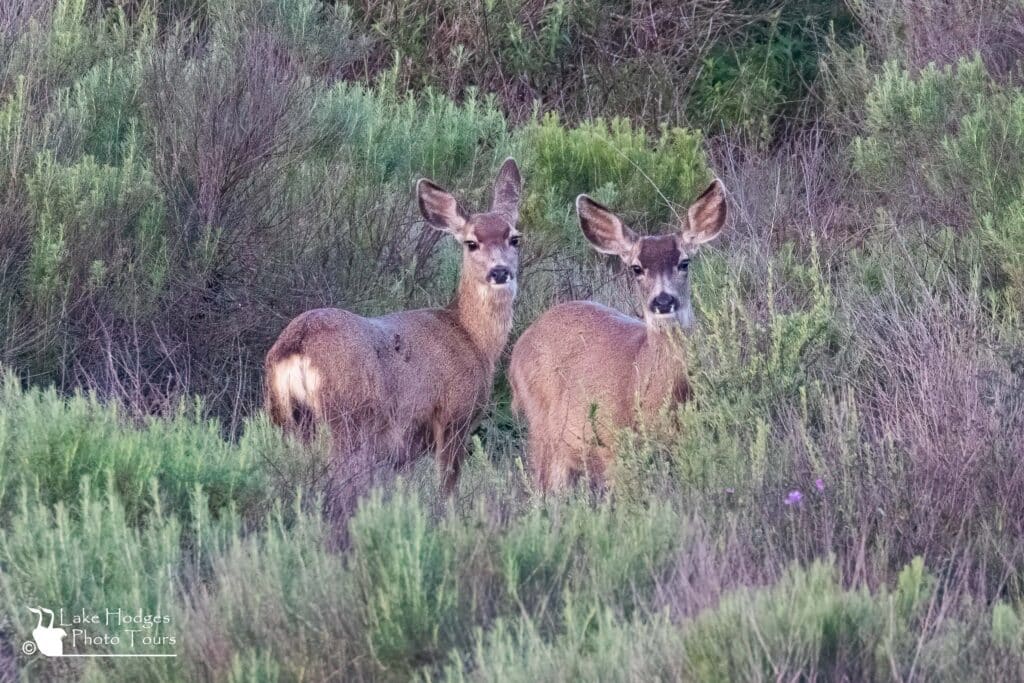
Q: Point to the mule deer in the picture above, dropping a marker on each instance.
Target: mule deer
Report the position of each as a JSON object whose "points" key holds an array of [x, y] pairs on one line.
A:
{"points": [[583, 371], [392, 387]]}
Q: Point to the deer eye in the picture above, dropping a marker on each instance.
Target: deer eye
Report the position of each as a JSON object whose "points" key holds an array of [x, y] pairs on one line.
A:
{"points": [[638, 270], [514, 240], [471, 245], [684, 265]]}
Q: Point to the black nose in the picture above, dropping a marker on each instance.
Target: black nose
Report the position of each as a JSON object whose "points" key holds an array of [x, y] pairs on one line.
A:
{"points": [[499, 275], [664, 303]]}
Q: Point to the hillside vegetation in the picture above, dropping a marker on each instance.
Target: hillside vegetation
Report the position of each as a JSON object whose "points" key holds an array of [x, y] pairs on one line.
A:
{"points": [[842, 501]]}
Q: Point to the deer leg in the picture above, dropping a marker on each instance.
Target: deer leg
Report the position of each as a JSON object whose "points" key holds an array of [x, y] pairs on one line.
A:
{"points": [[554, 463], [559, 474], [448, 442], [540, 462], [597, 468]]}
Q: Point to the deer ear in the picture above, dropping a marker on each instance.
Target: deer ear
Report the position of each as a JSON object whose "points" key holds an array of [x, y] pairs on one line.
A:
{"points": [[507, 189], [603, 228], [440, 208], [706, 216]]}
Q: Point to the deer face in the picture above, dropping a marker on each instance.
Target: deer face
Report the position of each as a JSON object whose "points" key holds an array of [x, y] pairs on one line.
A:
{"points": [[490, 241], [659, 264]]}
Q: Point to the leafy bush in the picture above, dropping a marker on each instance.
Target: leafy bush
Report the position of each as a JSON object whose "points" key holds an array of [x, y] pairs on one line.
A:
{"points": [[662, 62], [394, 137], [50, 446], [941, 145], [808, 623], [649, 182]]}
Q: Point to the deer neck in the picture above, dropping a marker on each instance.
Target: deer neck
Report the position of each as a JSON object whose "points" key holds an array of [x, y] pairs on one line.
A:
{"points": [[485, 313], [661, 363]]}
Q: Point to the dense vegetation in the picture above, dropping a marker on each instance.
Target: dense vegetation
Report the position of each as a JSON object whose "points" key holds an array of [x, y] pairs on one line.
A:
{"points": [[842, 501]]}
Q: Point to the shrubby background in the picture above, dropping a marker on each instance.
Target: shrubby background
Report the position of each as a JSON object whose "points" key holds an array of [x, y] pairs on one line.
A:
{"points": [[178, 178]]}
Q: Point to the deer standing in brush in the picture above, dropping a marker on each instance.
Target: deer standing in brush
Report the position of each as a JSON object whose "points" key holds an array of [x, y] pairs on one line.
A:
{"points": [[582, 371], [393, 387]]}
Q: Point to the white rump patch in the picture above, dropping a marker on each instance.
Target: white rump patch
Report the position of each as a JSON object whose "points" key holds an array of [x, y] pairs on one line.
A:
{"points": [[295, 378]]}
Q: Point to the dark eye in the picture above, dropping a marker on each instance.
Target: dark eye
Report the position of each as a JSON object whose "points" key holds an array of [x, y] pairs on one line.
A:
{"points": [[471, 245], [638, 270], [514, 240], [684, 265]]}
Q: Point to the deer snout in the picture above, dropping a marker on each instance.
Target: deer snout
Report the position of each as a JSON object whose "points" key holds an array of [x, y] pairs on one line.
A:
{"points": [[664, 303], [499, 275]]}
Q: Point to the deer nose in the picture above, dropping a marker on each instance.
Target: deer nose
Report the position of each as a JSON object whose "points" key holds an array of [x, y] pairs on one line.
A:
{"points": [[499, 275], [664, 303]]}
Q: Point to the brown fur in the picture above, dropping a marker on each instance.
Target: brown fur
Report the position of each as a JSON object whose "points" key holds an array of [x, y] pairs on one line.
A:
{"points": [[582, 371], [392, 387]]}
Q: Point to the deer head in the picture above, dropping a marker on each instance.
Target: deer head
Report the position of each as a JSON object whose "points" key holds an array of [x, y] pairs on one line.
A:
{"points": [[490, 240], [659, 264]]}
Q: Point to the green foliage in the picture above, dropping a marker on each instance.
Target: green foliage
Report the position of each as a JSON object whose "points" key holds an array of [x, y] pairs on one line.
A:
{"points": [[642, 178], [420, 583], [76, 208], [767, 335], [50, 445], [396, 137], [406, 572], [907, 118], [595, 647], [945, 139], [280, 600], [320, 35], [562, 586], [102, 109], [58, 46], [92, 559], [808, 622], [1007, 630], [760, 79], [741, 69]]}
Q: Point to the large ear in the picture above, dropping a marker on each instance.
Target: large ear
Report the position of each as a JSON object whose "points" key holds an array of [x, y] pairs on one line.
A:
{"points": [[507, 189], [706, 216], [441, 209], [603, 228]]}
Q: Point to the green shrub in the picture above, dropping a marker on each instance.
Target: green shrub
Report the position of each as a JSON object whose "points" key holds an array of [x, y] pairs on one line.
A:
{"points": [[908, 116], [406, 572], [668, 63], [647, 181], [1007, 630], [92, 559], [398, 137], [808, 623], [589, 556], [72, 255], [765, 340], [101, 109], [50, 445], [57, 47], [322, 36], [594, 647], [943, 144], [277, 601]]}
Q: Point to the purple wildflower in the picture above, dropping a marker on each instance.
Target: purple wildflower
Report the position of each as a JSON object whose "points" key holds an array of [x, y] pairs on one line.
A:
{"points": [[794, 498], [730, 490], [819, 484]]}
